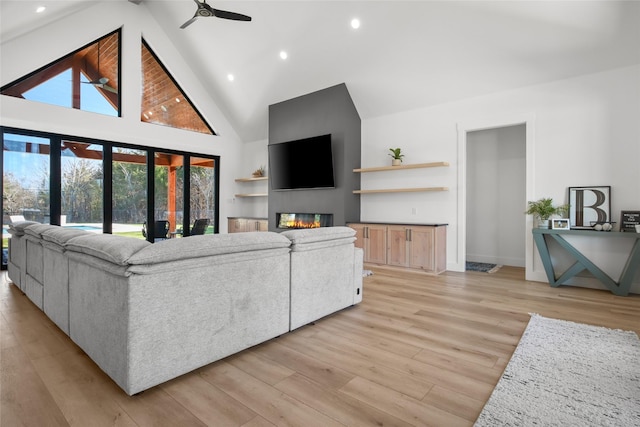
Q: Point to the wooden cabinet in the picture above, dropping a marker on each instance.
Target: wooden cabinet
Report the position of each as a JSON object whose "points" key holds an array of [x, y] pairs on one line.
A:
{"points": [[372, 238], [420, 247], [241, 225]]}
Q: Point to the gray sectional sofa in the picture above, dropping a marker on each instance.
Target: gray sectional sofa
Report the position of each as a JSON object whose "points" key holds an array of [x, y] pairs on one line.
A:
{"points": [[147, 313]]}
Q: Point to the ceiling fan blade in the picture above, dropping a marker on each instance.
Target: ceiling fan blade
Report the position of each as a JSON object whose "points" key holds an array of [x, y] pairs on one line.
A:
{"points": [[109, 88], [189, 22], [100, 81], [230, 15]]}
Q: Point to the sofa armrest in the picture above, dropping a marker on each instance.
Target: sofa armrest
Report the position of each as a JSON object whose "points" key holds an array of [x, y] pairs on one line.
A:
{"points": [[321, 234]]}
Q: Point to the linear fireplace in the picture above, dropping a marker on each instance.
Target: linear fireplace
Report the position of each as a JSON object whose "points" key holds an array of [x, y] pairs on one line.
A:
{"points": [[287, 221]]}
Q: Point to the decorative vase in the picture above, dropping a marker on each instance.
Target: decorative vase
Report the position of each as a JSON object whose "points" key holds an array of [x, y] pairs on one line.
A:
{"points": [[396, 162], [543, 223]]}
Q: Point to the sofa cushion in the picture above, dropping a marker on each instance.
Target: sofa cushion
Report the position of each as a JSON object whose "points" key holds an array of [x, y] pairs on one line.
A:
{"points": [[109, 247], [310, 235], [37, 229], [61, 235], [208, 245], [17, 228]]}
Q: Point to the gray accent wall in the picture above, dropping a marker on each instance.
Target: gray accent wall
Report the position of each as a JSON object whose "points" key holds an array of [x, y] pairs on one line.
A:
{"points": [[328, 111]]}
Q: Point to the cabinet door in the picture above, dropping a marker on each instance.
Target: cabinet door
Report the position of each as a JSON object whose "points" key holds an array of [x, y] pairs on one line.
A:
{"points": [[359, 228], [376, 244], [397, 241], [237, 225], [262, 225], [421, 248]]}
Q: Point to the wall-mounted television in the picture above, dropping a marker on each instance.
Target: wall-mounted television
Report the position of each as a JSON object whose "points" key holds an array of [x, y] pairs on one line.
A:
{"points": [[301, 164]]}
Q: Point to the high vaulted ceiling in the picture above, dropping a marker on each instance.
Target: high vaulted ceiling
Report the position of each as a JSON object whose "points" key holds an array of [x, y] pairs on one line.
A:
{"points": [[405, 55]]}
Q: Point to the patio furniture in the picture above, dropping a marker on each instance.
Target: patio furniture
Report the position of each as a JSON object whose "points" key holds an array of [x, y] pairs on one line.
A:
{"points": [[160, 230], [200, 226]]}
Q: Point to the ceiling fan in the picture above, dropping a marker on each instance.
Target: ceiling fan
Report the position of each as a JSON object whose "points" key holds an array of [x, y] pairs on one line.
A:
{"points": [[204, 10], [102, 81], [102, 84]]}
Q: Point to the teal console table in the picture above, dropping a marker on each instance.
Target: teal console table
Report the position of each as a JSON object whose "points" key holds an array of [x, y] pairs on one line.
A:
{"points": [[540, 236]]}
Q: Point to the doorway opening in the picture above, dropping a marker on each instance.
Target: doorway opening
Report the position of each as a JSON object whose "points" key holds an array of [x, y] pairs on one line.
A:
{"points": [[496, 186], [465, 130]]}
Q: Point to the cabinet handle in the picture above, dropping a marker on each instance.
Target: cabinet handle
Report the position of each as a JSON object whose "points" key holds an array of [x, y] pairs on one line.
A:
{"points": [[410, 235]]}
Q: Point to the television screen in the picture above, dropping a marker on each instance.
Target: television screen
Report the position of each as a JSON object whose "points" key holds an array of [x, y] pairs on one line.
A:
{"points": [[301, 164]]}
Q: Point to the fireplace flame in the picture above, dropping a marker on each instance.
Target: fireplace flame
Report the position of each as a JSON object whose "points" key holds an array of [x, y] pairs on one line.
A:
{"points": [[297, 223]]}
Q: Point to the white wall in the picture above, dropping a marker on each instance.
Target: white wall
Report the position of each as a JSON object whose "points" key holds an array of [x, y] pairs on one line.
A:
{"points": [[496, 188], [254, 154], [585, 132], [35, 49]]}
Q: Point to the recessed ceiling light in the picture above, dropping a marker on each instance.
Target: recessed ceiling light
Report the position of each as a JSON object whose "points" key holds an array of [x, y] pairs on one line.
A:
{"points": [[41, 9], [355, 23], [283, 54], [230, 77]]}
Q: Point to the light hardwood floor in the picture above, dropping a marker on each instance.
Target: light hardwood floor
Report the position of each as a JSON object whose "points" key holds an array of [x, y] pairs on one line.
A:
{"points": [[419, 350]]}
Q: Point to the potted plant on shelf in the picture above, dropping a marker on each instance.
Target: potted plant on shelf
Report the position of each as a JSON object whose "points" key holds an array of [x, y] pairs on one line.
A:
{"points": [[396, 156], [543, 209], [258, 172]]}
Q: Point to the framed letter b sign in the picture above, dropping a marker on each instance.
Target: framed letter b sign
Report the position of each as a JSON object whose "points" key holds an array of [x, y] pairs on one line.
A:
{"points": [[589, 205]]}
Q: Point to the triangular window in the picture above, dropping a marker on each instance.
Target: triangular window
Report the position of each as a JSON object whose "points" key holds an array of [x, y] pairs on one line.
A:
{"points": [[87, 79], [163, 101]]}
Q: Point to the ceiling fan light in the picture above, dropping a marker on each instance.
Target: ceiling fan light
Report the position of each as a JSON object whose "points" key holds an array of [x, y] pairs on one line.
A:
{"points": [[283, 55], [355, 23]]}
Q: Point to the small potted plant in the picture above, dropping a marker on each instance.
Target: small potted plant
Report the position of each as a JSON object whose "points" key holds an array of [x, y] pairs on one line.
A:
{"points": [[258, 172], [543, 209], [396, 156]]}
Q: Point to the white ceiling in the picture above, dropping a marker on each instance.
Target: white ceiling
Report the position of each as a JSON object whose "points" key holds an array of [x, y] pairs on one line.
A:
{"points": [[406, 54]]}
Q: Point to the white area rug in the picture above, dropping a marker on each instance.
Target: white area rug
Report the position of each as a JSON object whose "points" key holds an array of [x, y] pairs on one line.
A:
{"points": [[568, 374]]}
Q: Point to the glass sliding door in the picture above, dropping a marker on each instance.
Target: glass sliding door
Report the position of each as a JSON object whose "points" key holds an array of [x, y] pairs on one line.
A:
{"points": [[169, 193], [105, 187], [202, 198], [25, 182], [129, 191], [81, 178]]}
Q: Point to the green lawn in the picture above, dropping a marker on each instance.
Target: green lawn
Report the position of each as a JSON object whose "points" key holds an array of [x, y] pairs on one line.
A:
{"points": [[136, 234]]}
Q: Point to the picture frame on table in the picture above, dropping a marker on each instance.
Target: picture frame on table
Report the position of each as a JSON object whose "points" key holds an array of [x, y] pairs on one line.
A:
{"points": [[589, 205], [629, 220], [560, 224]]}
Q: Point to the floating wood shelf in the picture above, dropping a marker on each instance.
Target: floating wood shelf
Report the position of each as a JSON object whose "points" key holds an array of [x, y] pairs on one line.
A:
{"points": [[402, 190], [252, 195], [400, 167], [260, 178]]}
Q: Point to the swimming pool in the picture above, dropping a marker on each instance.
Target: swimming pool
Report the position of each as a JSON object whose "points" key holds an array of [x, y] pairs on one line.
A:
{"points": [[84, 227]]}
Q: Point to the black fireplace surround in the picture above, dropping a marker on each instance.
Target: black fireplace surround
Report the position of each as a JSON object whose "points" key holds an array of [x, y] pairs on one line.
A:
{"points": [[288, 221]]}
